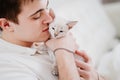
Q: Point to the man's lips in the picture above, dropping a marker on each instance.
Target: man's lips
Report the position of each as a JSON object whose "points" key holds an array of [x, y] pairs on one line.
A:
{"points": [[45, 29]]}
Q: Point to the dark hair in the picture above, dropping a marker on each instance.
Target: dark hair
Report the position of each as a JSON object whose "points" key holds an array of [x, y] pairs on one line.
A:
{"points": [[10, 9]]}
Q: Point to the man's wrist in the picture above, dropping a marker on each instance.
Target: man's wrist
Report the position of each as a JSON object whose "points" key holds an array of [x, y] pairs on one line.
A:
{"points": [[64, 49]]}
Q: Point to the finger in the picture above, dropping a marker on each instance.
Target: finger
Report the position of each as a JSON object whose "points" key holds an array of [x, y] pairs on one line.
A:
{"points": [[82, 65], [83, 74], [84, 56]]}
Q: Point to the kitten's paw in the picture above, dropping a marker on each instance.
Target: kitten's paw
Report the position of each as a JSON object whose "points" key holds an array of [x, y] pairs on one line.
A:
{"points": [[55, 72]]}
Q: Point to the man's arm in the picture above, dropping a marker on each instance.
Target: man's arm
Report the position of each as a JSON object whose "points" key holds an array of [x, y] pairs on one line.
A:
{"points": [[66, 66]]}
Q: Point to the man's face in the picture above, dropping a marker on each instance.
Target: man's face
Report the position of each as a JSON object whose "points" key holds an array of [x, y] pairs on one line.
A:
{"points": [[33, 22]]}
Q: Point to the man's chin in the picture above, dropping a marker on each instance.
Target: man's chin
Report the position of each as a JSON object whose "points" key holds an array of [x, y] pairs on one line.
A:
{"points": [[48, 38]]}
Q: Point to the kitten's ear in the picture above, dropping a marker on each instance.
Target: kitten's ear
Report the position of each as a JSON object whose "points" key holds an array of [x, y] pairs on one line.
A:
{"points": [[52, 14], [70, 24]]}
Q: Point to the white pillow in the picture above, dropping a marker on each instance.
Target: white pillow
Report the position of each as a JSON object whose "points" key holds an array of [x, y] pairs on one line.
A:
{"points": [[94, 32]]}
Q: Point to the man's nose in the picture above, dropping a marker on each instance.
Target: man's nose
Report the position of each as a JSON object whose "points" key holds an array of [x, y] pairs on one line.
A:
{"points": [[47, 18]]}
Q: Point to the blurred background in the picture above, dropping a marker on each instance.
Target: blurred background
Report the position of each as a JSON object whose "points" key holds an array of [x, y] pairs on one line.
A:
{"points": [[109, 1]]}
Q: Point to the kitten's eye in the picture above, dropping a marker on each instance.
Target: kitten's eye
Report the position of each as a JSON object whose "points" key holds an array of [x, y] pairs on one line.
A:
{"points": [[61, 31], [53, 28]]}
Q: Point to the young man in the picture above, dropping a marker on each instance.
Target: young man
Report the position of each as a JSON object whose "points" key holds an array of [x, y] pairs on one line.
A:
{"points": [[23, 22]]}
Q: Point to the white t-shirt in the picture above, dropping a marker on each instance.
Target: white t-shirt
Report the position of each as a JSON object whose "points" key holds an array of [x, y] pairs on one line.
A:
{"points": [[21, 63]]}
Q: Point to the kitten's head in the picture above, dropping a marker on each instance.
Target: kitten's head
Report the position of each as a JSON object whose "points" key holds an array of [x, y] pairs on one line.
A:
{"points": [[59, 27]]}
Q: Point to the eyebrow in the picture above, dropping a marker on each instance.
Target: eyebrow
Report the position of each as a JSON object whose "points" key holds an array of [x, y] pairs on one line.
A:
{"points": [[40, 9], [37, 12]]}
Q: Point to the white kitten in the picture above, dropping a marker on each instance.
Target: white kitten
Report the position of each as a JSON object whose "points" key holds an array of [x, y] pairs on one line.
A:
{"points": [[58, 28]]}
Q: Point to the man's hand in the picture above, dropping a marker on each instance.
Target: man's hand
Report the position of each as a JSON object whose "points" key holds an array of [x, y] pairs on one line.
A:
{"points": [[67, 42]]}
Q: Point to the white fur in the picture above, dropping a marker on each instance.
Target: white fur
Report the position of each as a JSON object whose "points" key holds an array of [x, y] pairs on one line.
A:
{"points": [[58, 24], [41, 48]]}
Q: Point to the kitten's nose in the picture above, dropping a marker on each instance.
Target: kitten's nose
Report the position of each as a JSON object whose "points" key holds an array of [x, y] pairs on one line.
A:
{"points": [[55, 34]]}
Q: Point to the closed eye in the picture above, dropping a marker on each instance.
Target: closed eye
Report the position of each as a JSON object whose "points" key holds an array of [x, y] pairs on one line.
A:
{"points": [[37, 16]]}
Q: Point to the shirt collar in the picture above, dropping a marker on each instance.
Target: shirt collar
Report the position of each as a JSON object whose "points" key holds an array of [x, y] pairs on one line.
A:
{"points": [[17, 48]]}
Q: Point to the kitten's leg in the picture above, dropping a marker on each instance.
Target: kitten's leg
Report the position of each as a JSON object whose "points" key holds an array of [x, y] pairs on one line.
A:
{"points": [[55, 69], [54, 65]]}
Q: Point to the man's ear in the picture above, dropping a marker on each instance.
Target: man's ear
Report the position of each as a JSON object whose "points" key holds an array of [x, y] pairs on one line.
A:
{"points": [[3, 23], [70, 24]]}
